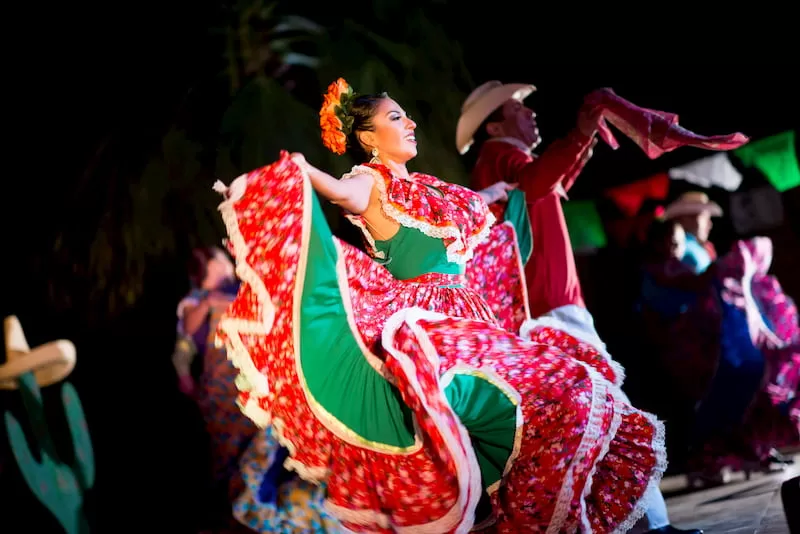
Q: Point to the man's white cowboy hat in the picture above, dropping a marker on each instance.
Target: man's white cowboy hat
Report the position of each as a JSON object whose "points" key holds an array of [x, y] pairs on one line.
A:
{"points": [[481, 103], [692, 203]]}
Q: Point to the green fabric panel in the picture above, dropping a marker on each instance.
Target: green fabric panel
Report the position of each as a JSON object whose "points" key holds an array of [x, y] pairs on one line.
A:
{"points": [[584, 225], [517, 214], [337, 373], [490, 418], [410, 253], [775, 157]]}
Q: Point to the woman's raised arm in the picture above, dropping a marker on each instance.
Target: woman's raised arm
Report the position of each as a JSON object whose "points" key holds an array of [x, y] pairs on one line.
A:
{"points": [[352, 194]]}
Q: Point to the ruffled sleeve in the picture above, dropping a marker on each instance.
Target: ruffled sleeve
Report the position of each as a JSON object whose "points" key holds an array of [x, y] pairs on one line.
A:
{"points": [[441, 210]]}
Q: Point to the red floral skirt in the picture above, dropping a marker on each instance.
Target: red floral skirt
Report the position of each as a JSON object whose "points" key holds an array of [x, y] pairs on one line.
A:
{"points": [[356, 370]]}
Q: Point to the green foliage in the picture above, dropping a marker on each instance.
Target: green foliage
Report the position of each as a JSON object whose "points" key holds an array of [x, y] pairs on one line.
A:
{"points": [[343, 110], [169, 205], [263, 119], [424, 73], [158, 204], [422, 69], [57, 485], [169, 193], [263, 43]]}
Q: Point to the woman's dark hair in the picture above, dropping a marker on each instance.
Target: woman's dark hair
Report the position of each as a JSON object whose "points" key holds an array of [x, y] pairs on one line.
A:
{"points": [[363, 111], [197, 267]]}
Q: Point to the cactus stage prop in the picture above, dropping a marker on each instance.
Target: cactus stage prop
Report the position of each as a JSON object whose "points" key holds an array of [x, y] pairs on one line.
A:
{"points": [[58, 486]]}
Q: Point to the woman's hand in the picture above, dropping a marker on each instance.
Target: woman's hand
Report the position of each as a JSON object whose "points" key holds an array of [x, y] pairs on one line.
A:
{"points": [[301, 161], [497, 192]]}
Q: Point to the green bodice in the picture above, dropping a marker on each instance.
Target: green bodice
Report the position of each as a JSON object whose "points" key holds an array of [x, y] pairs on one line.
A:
{"points": [[351, 394], [410, 253]]}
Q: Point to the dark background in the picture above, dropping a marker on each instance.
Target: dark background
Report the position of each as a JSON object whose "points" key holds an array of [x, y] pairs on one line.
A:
{"points": [[89, 72]]}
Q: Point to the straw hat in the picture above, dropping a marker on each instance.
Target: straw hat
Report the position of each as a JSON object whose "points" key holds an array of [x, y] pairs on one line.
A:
{"points": [[481, 103], [692, 203], [49, 363]]}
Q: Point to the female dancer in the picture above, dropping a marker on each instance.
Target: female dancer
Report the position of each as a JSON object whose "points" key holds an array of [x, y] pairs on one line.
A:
{"points": [[724, 325], [250, 483], [390, 381]]}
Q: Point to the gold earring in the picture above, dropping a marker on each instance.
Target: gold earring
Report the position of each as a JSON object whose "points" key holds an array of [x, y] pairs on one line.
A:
{"points": [[375, 158]]}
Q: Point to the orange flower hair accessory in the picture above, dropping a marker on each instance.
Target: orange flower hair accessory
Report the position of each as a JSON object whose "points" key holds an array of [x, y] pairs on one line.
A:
{"points": [[334, 117]]}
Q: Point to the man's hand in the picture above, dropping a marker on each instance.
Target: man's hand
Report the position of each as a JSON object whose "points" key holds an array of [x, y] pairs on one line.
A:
{"points": [[591, 114], [589, 152], [497, 192], [589, 120]]}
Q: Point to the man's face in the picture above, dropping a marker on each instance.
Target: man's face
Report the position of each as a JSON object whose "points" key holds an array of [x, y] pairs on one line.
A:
{"points": [[704, 226], [698, 225], [677, 242], [518, 122]]}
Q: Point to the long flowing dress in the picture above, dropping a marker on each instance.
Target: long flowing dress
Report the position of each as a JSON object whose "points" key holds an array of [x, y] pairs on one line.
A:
{"points": [[775, 330], [244, 457], [733, 345], [395, 385]]}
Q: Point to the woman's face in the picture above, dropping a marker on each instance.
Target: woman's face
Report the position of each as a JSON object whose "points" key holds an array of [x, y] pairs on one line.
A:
{"points": [[392, 134], [218, 269]]}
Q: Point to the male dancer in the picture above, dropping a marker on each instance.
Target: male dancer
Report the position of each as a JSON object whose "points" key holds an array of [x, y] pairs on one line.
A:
{"points": [[495, 119]]}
